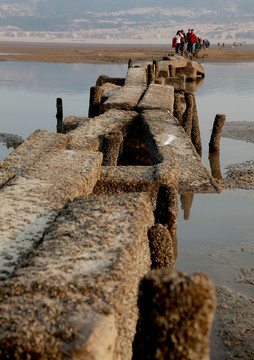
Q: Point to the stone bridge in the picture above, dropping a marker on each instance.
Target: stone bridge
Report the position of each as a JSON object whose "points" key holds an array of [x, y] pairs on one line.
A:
{"points": [[88, 227]]}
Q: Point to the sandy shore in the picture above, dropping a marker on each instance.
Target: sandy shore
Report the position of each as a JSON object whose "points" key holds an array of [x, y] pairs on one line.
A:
{"points": [[88, 53]]}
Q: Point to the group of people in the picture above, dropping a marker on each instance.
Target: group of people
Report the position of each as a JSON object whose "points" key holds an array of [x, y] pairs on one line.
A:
{"points": [[189, 42]]}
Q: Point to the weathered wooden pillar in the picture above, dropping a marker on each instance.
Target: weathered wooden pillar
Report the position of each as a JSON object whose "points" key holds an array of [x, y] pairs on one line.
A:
{"points": [[162, 247], [176, 314], [172, 71], [188, 114], [166, 211], [95, 101], [195, 131], [59, 115], [130, 63], [110, 148], [156, 68], [179, 106], [150, 74], [214, 144]]}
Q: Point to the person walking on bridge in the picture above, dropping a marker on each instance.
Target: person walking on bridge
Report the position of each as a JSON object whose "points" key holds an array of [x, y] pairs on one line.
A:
{"points": [[192, 38]]}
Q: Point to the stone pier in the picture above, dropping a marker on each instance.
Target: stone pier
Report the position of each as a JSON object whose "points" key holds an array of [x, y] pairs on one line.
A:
{"points": [[86, 214]]}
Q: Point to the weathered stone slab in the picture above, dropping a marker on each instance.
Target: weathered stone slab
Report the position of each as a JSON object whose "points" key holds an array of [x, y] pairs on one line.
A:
{"points": [[166, 139], [136, 76], [33, 201], [82, 279], [115, 180], [73, 122], [108, 90], [177, 62], [34, 147], [158, 97], [124, 99], [5, 176], [90, 135]]}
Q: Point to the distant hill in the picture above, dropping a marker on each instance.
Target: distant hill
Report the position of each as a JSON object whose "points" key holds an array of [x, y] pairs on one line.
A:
{"points": [[140, 21]]}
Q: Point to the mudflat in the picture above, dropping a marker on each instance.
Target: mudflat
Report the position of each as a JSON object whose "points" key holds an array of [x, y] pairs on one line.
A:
{"points": [[111, 53]]}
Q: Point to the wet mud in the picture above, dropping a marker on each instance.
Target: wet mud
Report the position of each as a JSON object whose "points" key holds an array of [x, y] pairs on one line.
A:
{"points": [[239, 176]]}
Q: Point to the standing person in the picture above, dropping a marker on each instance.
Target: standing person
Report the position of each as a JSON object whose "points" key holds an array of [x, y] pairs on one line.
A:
{"points": [[192, 41], [188, 39], [178, 40], [183, 42]]}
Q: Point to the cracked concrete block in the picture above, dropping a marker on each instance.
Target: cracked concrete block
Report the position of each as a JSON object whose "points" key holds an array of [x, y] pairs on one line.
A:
{"points": [[158, 97], [80, 283]]}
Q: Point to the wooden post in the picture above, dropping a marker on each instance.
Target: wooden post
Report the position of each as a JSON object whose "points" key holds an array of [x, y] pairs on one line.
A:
{"points": [[110, 148], [59, 115], [195, 131], [179, 106], [130, 63], [150, 73], [95, 101], [166, 211], [156, 67], [188, 114], [162, 247], [214, 144], [172, 71], [176, 314]]}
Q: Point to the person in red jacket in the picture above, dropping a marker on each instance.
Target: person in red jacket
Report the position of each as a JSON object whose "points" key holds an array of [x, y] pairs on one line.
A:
{"points": [[192, 38]]}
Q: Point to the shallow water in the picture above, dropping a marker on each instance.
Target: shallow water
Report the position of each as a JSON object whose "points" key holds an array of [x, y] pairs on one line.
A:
{"points": [[28, 93], [218, 236], [219, 225]]}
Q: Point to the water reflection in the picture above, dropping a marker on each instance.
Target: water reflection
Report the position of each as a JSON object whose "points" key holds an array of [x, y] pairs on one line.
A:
{"points": [[219, 227], [186, 203], [214, 159]]}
